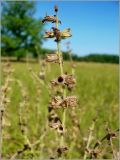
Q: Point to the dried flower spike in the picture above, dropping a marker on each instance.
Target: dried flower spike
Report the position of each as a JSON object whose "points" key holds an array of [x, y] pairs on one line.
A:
{"points": [[61, 34]]}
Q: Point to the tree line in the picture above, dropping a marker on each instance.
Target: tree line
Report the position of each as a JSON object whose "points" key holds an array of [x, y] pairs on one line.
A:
{"points": [[94, 57]]}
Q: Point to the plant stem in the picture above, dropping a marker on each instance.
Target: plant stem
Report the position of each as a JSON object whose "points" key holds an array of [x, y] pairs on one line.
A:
{"points": [[64, 91], [59, 49], [113, 151], [89, 138], [60, 57], [63, 122]]}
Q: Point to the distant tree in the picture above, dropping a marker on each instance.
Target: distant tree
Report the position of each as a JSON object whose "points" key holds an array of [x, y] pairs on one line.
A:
{"points": [[20, 31]]}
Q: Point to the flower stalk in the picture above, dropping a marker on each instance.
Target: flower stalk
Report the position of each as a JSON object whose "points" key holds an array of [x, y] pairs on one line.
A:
{"points": [[64, 80]]}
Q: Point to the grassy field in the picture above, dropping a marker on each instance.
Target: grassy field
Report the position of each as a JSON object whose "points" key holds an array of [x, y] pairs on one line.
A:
{"points": [[97, 92]]}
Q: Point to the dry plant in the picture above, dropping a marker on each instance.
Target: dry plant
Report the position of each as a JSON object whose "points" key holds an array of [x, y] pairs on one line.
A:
{"points": [[95, 151], [65, 81], [4, 98], [23, 115], [23, 121]]}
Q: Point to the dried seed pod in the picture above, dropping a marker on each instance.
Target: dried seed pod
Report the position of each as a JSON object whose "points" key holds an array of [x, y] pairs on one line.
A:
{"points": [[58, 102], [52, 58], [61, 34], [66, 33], [68, 80], [111, 135], [60, 130], [94, 153], [61, 150], [55, 122], [70, 101], [54, 83], [52, 19], [61, 79], [50, 109], [49, 34], [55, 102]]}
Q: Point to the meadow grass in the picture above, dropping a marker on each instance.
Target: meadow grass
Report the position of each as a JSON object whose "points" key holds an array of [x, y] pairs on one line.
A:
{"points": [[97, 92]]}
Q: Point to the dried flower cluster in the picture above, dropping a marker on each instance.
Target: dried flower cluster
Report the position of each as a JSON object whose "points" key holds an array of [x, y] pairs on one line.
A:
{"points": [[58, 102], [56, 33], [66, 81]]}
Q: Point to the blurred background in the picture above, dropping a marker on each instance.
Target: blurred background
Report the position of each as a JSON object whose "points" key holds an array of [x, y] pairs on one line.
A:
{"points": [[94, 26]]}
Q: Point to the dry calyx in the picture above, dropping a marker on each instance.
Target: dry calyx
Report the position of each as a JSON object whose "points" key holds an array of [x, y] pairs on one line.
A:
{"points": [[55, 122], [61, 150], [65, 79], [53, 57], [56, 33], [52, 19]]}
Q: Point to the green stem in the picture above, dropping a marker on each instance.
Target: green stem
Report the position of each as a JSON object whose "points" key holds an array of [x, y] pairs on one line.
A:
{"points": [[59, 49], [63, 122], [89, 139], [64, 91], [60, 57]]}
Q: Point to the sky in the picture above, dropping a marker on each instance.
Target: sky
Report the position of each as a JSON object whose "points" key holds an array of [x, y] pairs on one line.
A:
{"points": [[94, 25]]}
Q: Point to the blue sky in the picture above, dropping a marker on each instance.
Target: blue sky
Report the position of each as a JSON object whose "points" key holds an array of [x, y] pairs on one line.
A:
{"points": [[94, 25]]}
